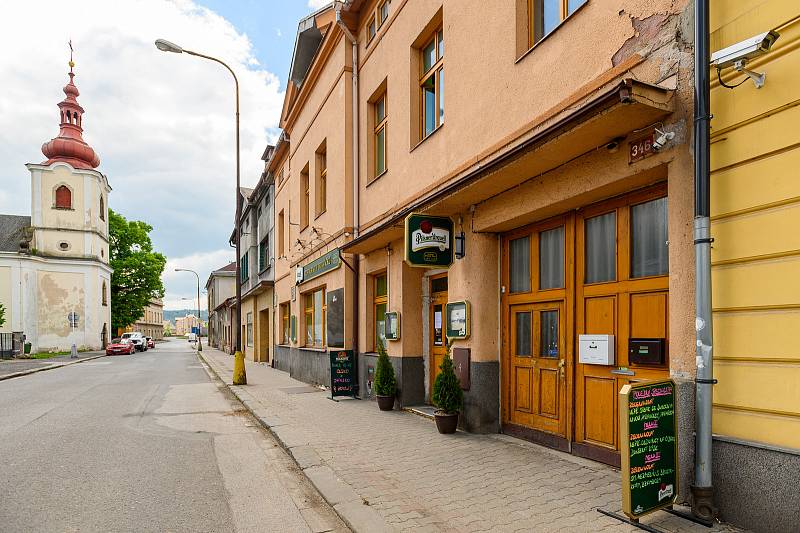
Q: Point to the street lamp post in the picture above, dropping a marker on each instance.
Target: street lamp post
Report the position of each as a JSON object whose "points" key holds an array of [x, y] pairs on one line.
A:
{"points": [[166, 46], [199, 321]]}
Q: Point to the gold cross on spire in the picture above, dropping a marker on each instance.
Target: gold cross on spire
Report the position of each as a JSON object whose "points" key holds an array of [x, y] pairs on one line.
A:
{"points": [[71, 62]]}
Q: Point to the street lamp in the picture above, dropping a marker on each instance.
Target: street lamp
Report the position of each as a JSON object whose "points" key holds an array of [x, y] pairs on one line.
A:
{"points": [[166, 46], [199, 322]]}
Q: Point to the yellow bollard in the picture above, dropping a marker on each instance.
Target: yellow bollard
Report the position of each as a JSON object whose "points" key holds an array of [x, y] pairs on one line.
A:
{"points": [[239, 374]]}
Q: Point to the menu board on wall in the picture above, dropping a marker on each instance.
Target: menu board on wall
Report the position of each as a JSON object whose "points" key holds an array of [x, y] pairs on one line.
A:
{"points": [[343, 373], [649, 451], [334, 323]]}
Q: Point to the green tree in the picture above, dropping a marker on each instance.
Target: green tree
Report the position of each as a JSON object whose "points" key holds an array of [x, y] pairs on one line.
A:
{"points": [[2, 315], [385, 381], [137, 269], [447, 393]]}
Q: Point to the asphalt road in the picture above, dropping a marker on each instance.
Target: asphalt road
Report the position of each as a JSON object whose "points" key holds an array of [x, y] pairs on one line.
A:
{"points": [[146, 442]]}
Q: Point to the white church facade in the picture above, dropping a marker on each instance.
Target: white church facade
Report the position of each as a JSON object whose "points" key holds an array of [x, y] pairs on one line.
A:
{"points": [[56, 261]]}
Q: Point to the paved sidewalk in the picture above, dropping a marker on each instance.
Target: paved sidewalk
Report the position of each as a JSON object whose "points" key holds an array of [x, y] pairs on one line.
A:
{"points": [[393, 471], [13, 367]]}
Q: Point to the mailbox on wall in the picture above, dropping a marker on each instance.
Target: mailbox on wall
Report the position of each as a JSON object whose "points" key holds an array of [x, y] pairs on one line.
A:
{"points": [[646, 351], [596, 349]]}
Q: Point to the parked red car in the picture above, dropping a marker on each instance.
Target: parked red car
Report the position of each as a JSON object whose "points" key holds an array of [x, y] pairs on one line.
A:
{"points": [[120, 347], [150, 342]]}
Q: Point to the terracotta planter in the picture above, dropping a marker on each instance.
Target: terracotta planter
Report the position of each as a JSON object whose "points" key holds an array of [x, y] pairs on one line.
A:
{"points": [[446, 423], [385, 403]]}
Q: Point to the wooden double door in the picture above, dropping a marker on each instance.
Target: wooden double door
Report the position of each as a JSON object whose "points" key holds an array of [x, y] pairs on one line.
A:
{"points": [[600, 270]]}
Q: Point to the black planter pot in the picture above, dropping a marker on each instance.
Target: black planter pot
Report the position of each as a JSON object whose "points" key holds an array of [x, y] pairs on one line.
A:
{"points": [[385, 403], [446, 423]]}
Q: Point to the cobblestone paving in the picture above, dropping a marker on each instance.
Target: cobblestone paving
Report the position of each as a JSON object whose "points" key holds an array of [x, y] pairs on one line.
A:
{"points": [[419, 480]]}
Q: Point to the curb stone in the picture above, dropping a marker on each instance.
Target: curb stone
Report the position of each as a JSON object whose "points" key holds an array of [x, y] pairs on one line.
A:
{"points": [[359, 516], [49, 367]]}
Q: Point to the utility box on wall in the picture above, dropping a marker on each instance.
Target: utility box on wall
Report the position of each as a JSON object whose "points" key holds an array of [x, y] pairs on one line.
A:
{"points": [[461, 358], [646, 351], [596, 349]]}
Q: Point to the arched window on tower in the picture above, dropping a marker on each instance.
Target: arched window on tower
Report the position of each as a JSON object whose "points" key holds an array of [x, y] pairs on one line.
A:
{"points": [[102, 208], [63, 197], [105, 296]]}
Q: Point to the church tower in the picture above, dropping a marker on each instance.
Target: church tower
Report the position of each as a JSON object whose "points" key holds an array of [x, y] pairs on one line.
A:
{"points": [[69, 208]]}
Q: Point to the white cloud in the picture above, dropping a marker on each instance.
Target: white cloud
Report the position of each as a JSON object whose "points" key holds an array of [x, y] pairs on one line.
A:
{"points": [[162, 123], [318, 4], [184, 284]]}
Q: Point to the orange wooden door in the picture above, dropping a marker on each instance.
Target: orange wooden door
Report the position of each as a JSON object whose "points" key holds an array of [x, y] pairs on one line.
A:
{"points": [[537, 360], [538, 367], [437, 326], [612, 298]]}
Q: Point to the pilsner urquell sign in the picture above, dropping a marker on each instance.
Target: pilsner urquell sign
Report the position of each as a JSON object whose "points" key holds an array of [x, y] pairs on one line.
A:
{"points": [[428, 241], [649, 451]]}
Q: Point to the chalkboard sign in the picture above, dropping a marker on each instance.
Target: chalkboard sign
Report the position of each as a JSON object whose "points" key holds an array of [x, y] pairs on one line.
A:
{"points": [[334, 315], [343, 373], [649, 451]]}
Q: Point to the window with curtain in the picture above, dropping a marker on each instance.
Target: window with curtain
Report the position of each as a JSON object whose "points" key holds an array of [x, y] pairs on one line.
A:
{"points": [[285, 323], [315, 318], [305, 185], [551, 258], [520, 264], [322, 179], [601, 248], [432, 84], [649, 247], [250, 328], [380, 301]]}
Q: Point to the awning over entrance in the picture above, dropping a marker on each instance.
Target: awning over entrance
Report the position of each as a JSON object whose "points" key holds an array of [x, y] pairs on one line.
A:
{"points": [[578, 128]]}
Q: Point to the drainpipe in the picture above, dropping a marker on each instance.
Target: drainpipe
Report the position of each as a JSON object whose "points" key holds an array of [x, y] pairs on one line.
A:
{"points": [[356, 190], [702, 490]]}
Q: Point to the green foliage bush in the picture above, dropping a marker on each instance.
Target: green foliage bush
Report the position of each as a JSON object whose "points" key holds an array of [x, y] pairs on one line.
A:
{"points": [[385, 381], [2, 315], [447, 393]]}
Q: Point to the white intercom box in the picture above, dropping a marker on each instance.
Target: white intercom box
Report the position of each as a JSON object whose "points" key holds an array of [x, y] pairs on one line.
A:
{"points": [[596, 349]]}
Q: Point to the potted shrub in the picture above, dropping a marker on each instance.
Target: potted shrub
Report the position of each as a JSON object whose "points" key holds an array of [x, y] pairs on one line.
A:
{"points": [[447, 396], [385, 385]]}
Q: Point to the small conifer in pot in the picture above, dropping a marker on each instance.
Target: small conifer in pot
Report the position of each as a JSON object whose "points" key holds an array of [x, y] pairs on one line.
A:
{"points": [[447, 396], [385, 385]]}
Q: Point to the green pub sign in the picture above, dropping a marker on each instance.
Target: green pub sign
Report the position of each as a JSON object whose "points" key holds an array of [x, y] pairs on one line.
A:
{"points": [[319, 266], [649, 451], [428, 241]]}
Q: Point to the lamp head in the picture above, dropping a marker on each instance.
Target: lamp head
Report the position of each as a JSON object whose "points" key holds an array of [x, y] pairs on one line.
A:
{"points": [[166, 46]]}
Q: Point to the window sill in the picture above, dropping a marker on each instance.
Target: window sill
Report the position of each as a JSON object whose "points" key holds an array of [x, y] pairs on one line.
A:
{"points": [[543, 39], [379, 176], [431, 134], [313, 349], [64, 208]]}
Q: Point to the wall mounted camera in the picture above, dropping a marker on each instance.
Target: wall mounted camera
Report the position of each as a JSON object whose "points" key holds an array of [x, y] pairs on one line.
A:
{"points": [[663, 138], [737, 55]]}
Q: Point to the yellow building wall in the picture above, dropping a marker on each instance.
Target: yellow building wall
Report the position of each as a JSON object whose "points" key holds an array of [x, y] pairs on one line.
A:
{"points": [[755, 212]]}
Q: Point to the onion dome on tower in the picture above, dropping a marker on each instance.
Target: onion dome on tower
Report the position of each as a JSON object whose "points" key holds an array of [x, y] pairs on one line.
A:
{"points": [[69, 146]]}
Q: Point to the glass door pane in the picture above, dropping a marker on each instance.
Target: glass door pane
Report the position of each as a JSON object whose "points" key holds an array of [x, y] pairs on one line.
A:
{"points": [[522, 325], [438, 338], [649, 250], [520, 264], [601, 248], [548, 334], [551, 258]]}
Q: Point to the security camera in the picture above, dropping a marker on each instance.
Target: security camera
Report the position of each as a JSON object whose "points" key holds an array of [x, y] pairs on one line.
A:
{"points": [[744, 50], [663, 138]]}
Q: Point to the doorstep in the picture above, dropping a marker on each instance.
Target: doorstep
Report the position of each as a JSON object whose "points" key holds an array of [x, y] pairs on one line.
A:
{"points": [[425, 411]]}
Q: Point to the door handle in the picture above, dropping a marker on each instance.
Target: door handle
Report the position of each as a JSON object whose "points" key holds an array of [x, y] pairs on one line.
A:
{"points": [[561, 365]]}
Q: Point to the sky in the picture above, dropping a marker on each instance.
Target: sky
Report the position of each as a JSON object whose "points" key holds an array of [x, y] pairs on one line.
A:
{"points": [[162, 123]]}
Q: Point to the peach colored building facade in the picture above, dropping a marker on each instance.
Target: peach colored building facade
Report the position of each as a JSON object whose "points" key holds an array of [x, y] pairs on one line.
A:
{"points": [[538, 147]]}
